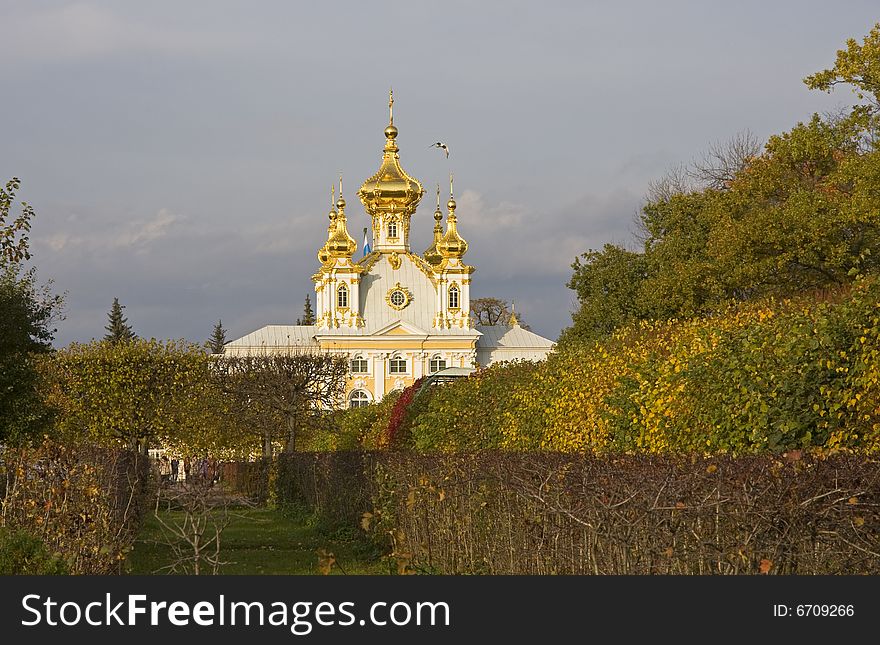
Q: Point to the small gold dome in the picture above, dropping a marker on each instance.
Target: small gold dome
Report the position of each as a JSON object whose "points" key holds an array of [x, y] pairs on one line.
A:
{"points": [[391, 132], [323, 255], [341, 244], [452, 245], [432, 255]]}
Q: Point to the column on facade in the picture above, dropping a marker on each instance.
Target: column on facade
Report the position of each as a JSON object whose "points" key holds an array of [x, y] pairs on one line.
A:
{"points": [[378, 376]]}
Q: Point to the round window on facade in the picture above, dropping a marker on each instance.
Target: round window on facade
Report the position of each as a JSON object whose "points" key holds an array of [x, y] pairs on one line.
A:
{"points": [[397, 297]]}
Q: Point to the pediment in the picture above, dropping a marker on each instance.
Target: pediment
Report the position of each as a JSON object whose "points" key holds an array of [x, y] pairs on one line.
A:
{"points": [[400, 328]]}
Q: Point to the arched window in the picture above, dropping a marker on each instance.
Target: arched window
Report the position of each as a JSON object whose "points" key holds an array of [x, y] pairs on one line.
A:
{"points": [[437, 363], [342, 296], [358, 365], [397, 365], [358, 399], [453, 297], [392, 229]]}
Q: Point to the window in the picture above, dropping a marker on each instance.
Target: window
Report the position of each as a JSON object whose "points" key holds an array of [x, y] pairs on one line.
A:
{"points": [[437, 363], [397, 365], [398, 298], [342, 296], [359, 365], [358, 399], [392, 229], [453, 297]]}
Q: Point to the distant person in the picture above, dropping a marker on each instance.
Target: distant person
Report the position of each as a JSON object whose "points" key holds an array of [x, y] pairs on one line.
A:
{"points": [[187, 466], [164, 469], [175, 468]]}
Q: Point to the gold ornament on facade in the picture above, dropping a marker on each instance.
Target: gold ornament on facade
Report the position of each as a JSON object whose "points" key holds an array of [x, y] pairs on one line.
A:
{"points": [[394, 260], [398, 297]]}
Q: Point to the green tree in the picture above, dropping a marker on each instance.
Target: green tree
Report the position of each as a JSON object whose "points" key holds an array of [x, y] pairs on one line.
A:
{"points": [[218, 339], [858, 66], [135, 394], [27, 312], [118, 329], [745, 223], [607, 284], [14, 241], [308, 317], [274, 397]]}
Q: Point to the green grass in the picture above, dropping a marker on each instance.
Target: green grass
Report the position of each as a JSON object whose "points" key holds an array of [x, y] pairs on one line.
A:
{"points": [[264, 541]]}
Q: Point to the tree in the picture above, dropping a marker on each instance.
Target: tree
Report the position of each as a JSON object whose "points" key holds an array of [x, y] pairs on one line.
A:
{"points": [[14, 239], [308, 317], [118, 329], [218, 339], [607, 284], [858, 66], [134, 394], [746, 223], [489, 311], [27, 312], [274, 396]]}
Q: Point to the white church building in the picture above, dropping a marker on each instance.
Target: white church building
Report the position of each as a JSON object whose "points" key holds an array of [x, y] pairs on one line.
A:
{"points": [[397, 315]]}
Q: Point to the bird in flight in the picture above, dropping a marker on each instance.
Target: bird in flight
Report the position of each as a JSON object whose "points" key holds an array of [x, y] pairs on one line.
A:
{"points": [[442, 146]]}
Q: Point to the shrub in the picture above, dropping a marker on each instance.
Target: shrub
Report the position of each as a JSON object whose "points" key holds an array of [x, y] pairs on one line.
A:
{"points": [[23, 554]]}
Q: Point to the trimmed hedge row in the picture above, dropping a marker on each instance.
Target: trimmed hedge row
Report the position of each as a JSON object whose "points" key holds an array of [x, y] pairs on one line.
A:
{"points": [[552, 513], [85, 504], [761, 378]]}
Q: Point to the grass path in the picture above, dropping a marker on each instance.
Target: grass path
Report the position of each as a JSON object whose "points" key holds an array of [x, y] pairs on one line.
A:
{"points": [[264, 541]]}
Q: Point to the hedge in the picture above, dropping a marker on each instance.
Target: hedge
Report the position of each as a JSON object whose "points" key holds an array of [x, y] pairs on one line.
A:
{"points": [[552, 513], [85, 504]]}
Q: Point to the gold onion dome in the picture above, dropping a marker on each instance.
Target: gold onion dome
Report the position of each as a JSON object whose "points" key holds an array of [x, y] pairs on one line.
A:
{"points": [[390, 190], [323, 254], [452, 245], [432, 255], [341, 244]]}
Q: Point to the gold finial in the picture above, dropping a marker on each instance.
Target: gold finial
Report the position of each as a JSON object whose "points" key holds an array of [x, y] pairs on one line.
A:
{"points": [[332, 196], [391, 106], [340, 203], [450, 186]]}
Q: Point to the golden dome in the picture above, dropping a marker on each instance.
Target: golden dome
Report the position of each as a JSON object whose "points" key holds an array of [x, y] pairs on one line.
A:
{"points": [[341, 244], [452, 245], [323, 254], [390, 190], [432, 255]]}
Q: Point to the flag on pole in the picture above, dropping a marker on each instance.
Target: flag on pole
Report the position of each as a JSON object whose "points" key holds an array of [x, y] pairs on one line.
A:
{"points": [[367, 248]]}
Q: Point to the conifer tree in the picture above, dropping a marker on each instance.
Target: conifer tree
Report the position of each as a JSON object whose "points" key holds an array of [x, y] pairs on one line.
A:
{"points": [[308, 317], [118, 329], [218, 339]]}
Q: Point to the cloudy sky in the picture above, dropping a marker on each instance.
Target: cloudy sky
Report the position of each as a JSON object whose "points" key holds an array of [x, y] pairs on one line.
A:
{"points": [[179, 154]]}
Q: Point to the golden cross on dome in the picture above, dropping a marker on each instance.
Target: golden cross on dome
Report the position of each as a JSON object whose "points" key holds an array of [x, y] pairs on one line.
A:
{"points": [[391, 106]]}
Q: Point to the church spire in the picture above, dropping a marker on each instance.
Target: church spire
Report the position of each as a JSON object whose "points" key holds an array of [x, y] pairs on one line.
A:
{"points": [[341, 245], [432, 255], [452, 246], [391, 196], [323, 253]]}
